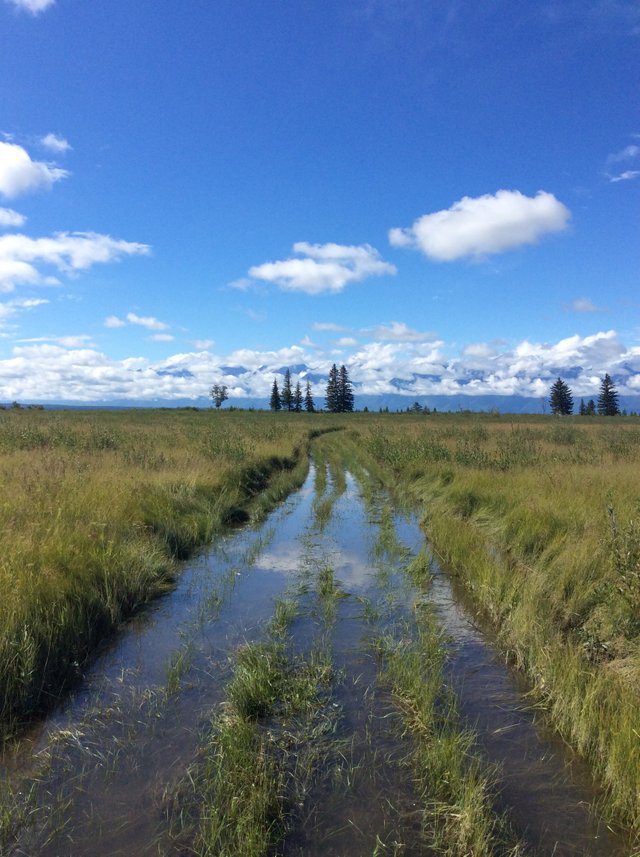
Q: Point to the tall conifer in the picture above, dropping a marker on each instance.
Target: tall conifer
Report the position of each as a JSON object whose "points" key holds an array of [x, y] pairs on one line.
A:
{"points": [[276, 402], [287, 393], [309, 405], [608, 398]]}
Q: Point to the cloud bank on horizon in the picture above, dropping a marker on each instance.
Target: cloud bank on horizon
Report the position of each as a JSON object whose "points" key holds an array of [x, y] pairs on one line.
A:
{"points": [[397, 360]]}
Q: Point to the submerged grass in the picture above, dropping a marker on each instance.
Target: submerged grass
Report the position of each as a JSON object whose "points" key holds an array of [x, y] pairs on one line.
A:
{"points": [[457, 790], [263, 748], [96, 509]]}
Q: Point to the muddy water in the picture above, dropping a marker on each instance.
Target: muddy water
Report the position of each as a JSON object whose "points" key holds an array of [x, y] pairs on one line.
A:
{"points": [[105, 761]]}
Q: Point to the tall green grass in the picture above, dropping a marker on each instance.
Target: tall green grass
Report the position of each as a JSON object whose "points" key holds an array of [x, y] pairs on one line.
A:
{"points": [[97, 506], [539, 518]]}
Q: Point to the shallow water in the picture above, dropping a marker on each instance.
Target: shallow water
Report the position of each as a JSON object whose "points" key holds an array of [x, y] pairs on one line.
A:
{"points": [[108, 757]]}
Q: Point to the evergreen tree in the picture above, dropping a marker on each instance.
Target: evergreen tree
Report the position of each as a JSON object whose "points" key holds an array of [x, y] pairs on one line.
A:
{"points": [[276, 402], [561, 398], [297, 398], [309, 405], [345, 391], [287, 393], [608, 398], [332, 397], [591, 408], [583, 408]]}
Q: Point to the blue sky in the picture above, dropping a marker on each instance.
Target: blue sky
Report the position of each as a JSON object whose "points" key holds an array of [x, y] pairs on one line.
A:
{"points": [[444, 196]]}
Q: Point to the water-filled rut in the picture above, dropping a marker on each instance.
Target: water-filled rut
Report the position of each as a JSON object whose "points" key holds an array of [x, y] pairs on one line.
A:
{"points": [[99, 775]]}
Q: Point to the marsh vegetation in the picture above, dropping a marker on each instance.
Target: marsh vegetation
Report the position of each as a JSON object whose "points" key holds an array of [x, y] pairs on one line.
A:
{"points": [[311, 684]]}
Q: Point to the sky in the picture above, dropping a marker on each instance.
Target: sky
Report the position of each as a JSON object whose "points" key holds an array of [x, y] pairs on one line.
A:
{"points": [[443, 195]]}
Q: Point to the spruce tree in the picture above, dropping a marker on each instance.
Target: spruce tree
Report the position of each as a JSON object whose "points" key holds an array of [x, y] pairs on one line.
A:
{"points": [[591, 408], [297, 398], [608, 398], [276, 403], [309, 405], [583, 408], [332, 397], [561, 398], [345, 391], [287, 393]]}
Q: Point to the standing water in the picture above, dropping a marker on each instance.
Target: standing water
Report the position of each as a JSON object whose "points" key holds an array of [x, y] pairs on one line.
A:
{"points": [[99, 775]]}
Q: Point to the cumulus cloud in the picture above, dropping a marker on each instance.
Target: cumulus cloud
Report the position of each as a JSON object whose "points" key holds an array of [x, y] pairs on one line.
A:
{"points": [[32, 6], [148, 321], [346, 342], [479, 226], [19, 174], [55, 143], [9, 218], [22, 257], [203, 344], [323, 268]]}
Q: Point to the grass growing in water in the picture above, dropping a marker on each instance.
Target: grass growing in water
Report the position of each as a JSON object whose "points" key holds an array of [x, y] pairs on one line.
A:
{"points": [[457, 791]]}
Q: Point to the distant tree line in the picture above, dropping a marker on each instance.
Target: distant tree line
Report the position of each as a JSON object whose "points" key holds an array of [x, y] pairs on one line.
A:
{"points": [[339, 396], [561, 400], [290, 398]]}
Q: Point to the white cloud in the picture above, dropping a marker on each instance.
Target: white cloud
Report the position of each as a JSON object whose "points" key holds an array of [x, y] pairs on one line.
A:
{"points": [[203, 344], [149, 321], [583, 305], [113, 321], [626, 154], [19, 174], [9, 217], [50, 372], [479, 349], [21, 256], [323, 268], [398, 331], [480, 226], [32, 6], [346, 342], [11, 308], [328, 326], [161, 337], [626, 176], [55, 143]]}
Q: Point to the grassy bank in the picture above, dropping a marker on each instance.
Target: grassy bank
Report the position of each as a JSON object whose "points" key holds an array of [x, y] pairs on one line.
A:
{"points": [[539, 518], [96, 508]]}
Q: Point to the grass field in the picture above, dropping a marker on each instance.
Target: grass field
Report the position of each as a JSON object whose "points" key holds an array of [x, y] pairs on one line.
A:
{"points": [[97, 506], [538, 516], [540, 519]]}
